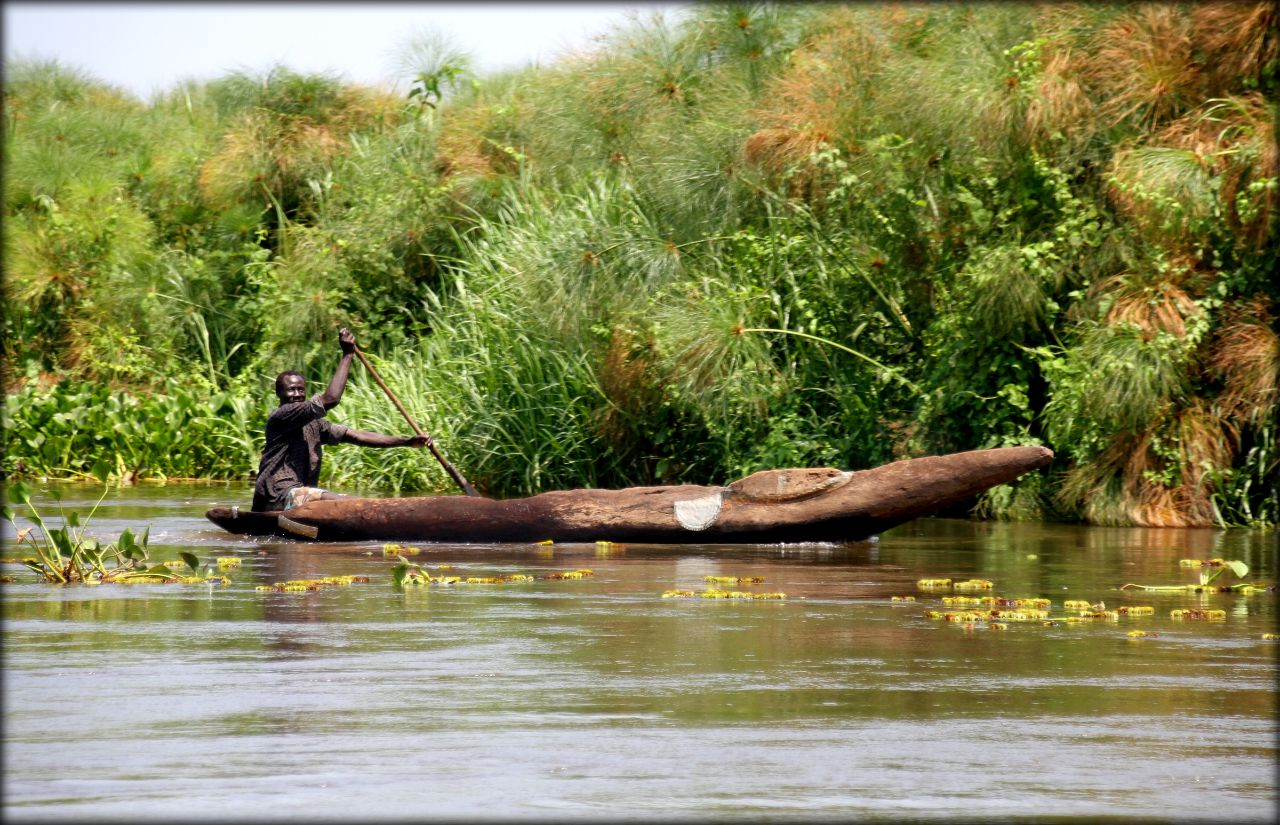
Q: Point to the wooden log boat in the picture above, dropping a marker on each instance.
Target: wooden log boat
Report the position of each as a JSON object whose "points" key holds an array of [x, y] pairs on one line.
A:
{"points": [[798, 505]]}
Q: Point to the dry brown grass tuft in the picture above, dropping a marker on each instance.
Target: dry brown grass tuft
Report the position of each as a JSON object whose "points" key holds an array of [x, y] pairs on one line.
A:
{"points": [[1154, 303], [1237, 41], [1143, 67], [243, 155], [1061, 104], [1234, 139], [820, 100], [1246, 356], [279, 151], [1158, 477], [465, 148], [627, 378]]}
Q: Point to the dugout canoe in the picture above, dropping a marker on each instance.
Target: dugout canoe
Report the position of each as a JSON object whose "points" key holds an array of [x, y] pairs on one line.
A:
{"points": [[796, 505]]}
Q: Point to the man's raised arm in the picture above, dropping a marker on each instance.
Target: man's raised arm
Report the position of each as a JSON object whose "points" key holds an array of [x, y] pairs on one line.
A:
{"points": [[333, 393]]}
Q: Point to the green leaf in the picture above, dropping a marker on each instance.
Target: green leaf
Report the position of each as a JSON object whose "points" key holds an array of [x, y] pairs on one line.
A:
{"points": [[73, 519], [191, 560], [61, 541], [18, 492], [1239, 568], [101, 471]]}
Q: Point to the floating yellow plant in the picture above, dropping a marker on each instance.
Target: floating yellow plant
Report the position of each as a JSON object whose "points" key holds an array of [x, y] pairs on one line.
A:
{"points": [[400, 550], [1084, 606], [962, 601], [733, 579], [956, 616], [715, 593], [1270, 637], [312, 585], [905, 598], [544, 542], [1136, 610], [228, 562], [1095, 616], [1029, 614], [570, 574], [933, 584], [974, 584], [1141, 634], [516, 577], [211, 580], [1195, 613]]}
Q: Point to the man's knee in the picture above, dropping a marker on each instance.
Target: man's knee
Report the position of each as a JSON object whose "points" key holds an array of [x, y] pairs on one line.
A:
{"points": [[299, 496]]}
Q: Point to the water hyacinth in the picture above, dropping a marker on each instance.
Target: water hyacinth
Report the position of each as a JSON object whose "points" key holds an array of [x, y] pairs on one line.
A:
{"points": [[311, 585], [570, 574], [716, 593], [1198, 614]]}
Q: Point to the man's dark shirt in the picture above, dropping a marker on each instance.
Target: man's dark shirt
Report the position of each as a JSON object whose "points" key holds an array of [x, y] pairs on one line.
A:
{"points": [[296, 434]]}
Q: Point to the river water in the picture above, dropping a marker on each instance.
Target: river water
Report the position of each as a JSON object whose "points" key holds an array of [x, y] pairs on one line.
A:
{"points": [[597, 698]]}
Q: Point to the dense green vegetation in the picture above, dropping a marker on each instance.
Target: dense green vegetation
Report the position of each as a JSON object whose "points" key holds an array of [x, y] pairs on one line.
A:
{"points": [[768, 235]]}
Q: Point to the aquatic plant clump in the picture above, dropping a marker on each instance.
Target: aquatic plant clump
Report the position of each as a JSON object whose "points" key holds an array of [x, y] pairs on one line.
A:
{"points": [[311, 585], [1030, 610], [1196, 614], [67, 555], [570, 574], [966, 585], [407, 573], [1209, 571], [716, 593]]}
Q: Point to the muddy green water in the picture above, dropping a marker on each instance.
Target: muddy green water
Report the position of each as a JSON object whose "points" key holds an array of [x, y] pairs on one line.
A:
{"points": [[597, 698]]}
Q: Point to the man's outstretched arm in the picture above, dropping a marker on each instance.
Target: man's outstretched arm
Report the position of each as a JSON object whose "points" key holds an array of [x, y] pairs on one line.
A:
{"points": [[368, 439]]}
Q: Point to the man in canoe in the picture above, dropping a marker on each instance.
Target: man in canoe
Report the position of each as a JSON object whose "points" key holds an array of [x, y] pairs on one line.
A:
{"points": [[297, 431]]}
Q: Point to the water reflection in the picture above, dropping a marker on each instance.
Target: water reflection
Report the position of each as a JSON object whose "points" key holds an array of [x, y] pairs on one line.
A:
{"points": [[597, 697]]}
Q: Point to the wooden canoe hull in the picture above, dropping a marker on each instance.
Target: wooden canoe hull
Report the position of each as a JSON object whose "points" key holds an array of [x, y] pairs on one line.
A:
{"points": [[824, 505]]}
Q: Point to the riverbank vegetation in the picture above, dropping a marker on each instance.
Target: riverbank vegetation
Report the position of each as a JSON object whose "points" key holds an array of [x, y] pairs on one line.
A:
{"points": [[761, 236]]}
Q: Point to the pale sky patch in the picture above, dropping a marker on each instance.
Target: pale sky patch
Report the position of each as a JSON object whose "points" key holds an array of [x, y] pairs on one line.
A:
{"points": [[150, 47]]}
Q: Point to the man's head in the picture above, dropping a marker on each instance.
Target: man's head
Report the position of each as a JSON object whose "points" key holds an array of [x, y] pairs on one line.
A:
{"points": [[291, 387]]}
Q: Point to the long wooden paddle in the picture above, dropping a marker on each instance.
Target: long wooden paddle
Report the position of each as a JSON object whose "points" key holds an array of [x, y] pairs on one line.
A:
{"points": [[448, 468]]}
